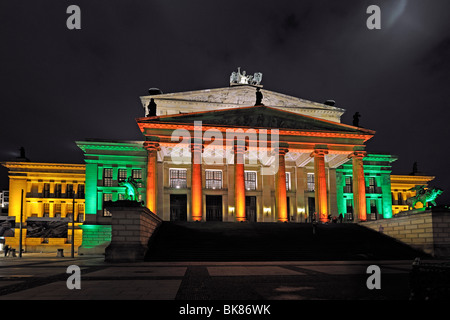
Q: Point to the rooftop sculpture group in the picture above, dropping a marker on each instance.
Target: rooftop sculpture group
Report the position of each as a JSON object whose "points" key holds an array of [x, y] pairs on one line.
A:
{"points": [[243, 78]]}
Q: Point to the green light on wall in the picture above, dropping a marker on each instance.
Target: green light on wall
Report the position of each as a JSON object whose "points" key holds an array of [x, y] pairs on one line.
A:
{"points": [[95, 235]]}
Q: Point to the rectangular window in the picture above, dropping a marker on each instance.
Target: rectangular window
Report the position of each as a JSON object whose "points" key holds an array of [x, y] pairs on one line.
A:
{"points": [[288, 181], [46, 210], [107, 177], [177, 178], [106, 197], [348, 188], [46, 191], [213, 179], [80, 191], [122, 175], [310, 184], [57, 207], [349, 210], [373, 206], [250, 180], [136, 174], [80, 217], [58, 190], [69, 210], [69, 191], [34, 189], [372, 188]]}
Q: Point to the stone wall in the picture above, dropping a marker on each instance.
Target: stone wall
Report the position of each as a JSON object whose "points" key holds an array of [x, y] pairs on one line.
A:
{"points": [[95, 239], [428, 231], [132, 228]]}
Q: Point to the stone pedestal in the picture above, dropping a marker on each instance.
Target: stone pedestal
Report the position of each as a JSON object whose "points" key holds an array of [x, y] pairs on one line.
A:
{"points": [[132, 228]]}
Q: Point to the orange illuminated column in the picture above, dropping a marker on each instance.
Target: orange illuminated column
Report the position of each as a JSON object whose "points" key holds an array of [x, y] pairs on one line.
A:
{"points": [[152, 148], [239, 182], [320, 181], [281, 186], [196, 180], [359, 186]]}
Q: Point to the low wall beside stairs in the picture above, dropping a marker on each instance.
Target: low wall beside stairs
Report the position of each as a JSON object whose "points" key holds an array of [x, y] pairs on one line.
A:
{"points": [[428, 230], [131, 229]]}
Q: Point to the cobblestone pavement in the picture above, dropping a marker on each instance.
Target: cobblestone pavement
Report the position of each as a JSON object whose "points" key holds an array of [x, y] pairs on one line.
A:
{"points": [[44, 277]]}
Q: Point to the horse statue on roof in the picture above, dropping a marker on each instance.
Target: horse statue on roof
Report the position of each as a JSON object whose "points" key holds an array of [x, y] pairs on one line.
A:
{"points": [[423, 195]]}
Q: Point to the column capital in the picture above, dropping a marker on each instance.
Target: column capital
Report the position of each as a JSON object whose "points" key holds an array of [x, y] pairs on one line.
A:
{"points": [[319, 153], [239, 148], [197, 145], [359, 154], [282, 148], [152, 145]]}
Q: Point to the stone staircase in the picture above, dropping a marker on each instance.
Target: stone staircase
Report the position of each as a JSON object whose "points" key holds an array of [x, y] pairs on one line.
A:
{"points": [[231, 241]]}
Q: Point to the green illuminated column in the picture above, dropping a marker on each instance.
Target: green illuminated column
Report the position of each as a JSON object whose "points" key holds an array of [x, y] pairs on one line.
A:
{"points": [[91, 189], [340, 182], [387, 197]]}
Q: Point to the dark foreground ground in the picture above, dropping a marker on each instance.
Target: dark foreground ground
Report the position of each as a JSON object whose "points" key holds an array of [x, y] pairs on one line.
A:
{"points": [[229, 241], [280, 270]]}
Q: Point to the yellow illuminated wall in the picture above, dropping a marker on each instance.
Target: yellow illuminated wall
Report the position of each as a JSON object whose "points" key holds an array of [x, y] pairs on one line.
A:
{"points": [[48, 191], [400, 185]]}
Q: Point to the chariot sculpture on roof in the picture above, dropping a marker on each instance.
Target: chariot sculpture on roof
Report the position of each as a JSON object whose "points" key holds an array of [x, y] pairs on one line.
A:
{"points": [[237, 78]]}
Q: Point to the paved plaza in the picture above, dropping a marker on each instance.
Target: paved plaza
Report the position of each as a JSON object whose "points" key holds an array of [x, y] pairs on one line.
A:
{"points": [[44, 277]]}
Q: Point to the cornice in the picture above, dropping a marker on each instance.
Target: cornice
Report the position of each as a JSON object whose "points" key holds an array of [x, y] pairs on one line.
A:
{"points": [[42, 165]]}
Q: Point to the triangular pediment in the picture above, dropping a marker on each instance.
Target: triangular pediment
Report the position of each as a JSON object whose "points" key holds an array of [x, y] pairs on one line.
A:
{"points": [[257, 117], [239, 96]]}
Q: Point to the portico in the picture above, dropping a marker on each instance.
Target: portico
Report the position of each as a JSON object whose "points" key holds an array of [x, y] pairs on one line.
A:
{"points": [[253, 157]]}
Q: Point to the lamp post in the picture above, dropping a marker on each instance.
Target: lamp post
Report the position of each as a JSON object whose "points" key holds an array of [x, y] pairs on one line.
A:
{"points": [[21, 218], [72, 254]]}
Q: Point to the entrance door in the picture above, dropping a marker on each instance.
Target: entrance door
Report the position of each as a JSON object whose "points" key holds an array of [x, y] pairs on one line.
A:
{"points": [[178, 207], [213, 208], [250, 208], [311, 208], [349, 205]]}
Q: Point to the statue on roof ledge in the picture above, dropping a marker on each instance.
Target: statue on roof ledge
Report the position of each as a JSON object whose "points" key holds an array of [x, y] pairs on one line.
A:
{"points": [[237, 78]]}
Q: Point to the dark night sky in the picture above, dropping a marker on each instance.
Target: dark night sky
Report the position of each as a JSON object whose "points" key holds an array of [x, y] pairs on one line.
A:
{"points": [[60, 85]]}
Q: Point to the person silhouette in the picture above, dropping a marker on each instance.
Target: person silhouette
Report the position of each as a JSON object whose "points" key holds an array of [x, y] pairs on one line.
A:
{"points": [[356, 117], [259, 97], [151, 108]]}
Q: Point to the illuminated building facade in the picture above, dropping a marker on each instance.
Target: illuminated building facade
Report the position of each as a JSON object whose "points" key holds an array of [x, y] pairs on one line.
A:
{"points": [[216, 155], [50, 191], [108, 163], [212, 155]]}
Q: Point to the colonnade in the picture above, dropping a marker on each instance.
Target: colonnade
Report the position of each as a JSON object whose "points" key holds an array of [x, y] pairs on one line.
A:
{"points": [[321, 195]]}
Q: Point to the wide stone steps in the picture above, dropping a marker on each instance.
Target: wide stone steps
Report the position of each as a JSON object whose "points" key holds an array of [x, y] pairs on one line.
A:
{"points": [[231, 241]]}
